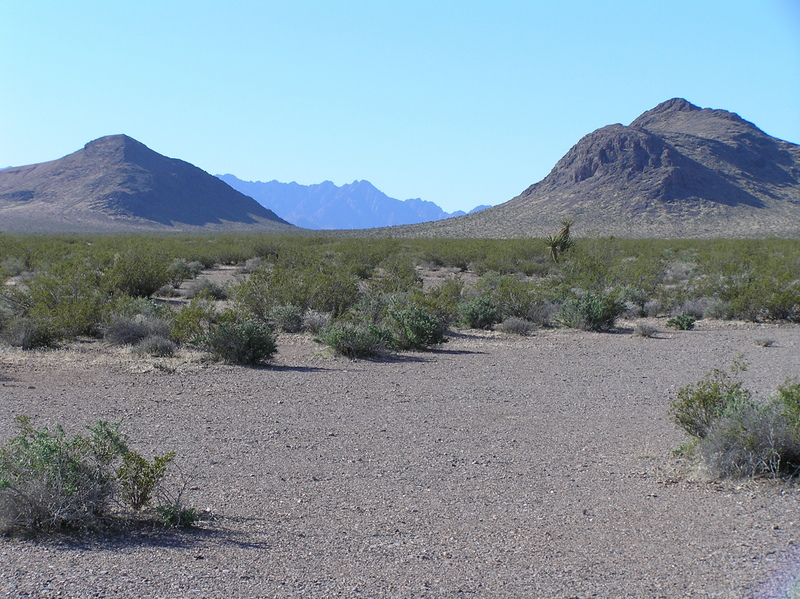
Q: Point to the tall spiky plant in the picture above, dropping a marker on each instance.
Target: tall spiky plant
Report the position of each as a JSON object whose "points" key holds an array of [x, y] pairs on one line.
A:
{"points": [[559, 243]]}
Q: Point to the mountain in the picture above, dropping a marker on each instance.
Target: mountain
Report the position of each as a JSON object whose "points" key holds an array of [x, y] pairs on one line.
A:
{"points": [[359, 205], [676, 171], [116, 184]]}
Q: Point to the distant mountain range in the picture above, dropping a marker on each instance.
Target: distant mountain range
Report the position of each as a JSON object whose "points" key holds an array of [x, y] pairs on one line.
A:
{"points": [[676, 171], [116, 184], [359, 205]]}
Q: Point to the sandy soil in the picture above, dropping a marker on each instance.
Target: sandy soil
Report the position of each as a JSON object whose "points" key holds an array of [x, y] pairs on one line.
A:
{"points": [[499, 466]]}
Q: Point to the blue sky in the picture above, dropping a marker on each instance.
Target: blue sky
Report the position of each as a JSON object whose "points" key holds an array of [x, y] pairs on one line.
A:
{"points": [[460, 103]]}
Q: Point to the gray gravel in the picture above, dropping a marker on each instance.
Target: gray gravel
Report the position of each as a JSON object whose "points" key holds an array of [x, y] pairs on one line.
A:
{"points": [[499, 466]]}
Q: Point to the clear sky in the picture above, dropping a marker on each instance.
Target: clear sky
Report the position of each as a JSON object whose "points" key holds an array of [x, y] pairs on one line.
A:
{"points": [[457, 102]]}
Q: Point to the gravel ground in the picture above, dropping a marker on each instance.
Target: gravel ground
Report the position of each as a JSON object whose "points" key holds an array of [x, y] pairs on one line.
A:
{"points": [[498, 466]]}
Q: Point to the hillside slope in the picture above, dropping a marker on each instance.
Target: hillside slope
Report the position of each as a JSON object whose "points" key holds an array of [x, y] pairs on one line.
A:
{"points": [[675, 171], [117, 184]]}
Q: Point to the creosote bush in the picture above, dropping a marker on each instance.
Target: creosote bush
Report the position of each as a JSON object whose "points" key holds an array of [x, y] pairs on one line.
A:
{"points": [[478, 313], [246, 342], [357, 340], [50, 481], [413, 327], [734, 435], [590, 312]]}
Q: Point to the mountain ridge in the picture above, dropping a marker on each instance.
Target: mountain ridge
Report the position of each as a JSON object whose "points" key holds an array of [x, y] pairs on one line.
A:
{"points": [[116, 183], [321, 206], [677, 170]]}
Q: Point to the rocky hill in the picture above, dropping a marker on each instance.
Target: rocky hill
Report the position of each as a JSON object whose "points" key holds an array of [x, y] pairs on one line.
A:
{"points": [[675, 171], [117, 184], [358, 205]]}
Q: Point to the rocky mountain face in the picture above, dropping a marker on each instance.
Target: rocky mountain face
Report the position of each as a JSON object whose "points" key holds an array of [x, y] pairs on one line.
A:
{"points": [[359, 205], [676, 171], [116, 183]]}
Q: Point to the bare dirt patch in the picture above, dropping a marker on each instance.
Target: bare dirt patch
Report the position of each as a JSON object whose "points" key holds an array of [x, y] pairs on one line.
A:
{"points": [[499, 466]]}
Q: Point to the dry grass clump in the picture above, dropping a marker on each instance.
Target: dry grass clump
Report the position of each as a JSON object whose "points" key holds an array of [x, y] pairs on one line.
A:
{"points": [[517, 326], [642, 329]]}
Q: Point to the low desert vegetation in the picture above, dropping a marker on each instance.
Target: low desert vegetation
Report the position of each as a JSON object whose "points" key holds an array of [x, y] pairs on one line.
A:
{"points": [[57, 288], [50, 481], [733, 434]]}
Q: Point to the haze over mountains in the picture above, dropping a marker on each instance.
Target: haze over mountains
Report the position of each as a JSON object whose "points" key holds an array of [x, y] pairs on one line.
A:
{"points": [[358, 205], [116, 184], [675, 171]]}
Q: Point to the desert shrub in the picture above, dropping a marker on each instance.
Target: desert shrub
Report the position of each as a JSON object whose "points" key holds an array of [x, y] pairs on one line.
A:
{"points": [[51, 481], [396, 274], [314, 321], [180, 270], [517, 326], [590, 312], [130, 330], [252, 264], [356, 340], [207, 289], [156, 346], [441, 301], [764, 342], [682, 322], [138, 477], [415, 328], [698, 405], [736, 436], [316, 286], [68, 295], [652, 308], [695, 308], [634, 299], [288, 319], [246, 342], [31, 333], [750, 440], [542, 313], [642, 329], [174, 514], [719, 309], [138, 273], [193, 321], [478, 313]]}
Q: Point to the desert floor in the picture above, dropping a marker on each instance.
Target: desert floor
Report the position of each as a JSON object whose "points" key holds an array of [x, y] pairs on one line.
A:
{"points": [[497, 466]]}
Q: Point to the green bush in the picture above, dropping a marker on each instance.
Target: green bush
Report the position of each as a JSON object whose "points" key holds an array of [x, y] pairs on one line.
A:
{"points": [[192, 322], [356, 340], [180, 270], [590, 312], [683, 322], [207, 289], [735, 435], [138, 273], [415, 328], [698, 405], [288, 319], [478, 313], [49, 481], [246, 342]]}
